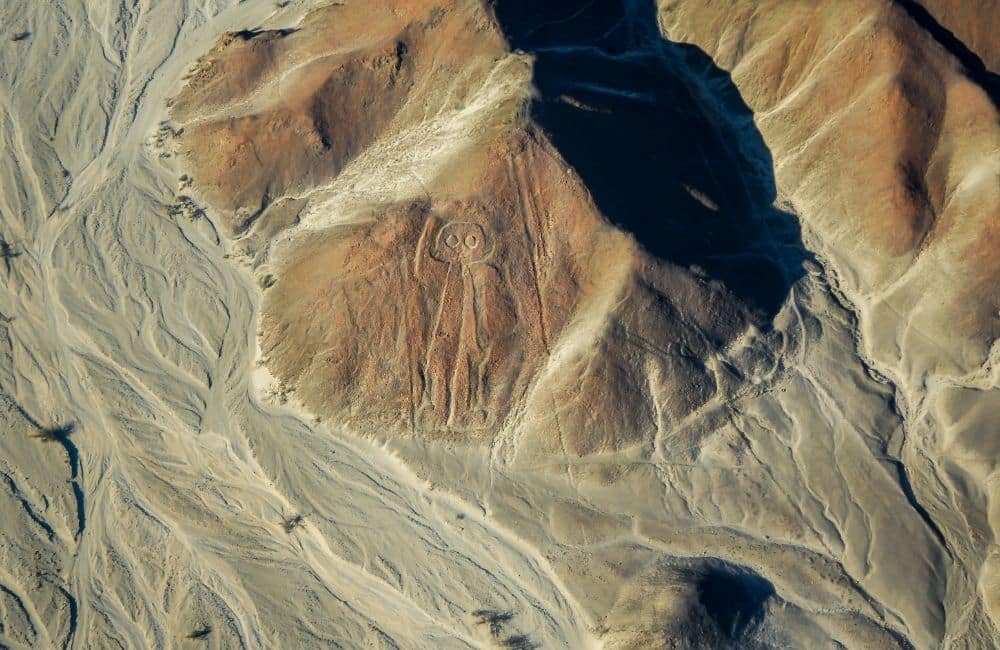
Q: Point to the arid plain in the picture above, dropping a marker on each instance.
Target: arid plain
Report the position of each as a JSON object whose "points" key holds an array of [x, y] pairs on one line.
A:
{"points": [[451, 323]]}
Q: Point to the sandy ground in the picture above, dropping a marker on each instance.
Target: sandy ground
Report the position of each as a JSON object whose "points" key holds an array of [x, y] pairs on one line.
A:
{"points": [[165, 520], [152, 478]]}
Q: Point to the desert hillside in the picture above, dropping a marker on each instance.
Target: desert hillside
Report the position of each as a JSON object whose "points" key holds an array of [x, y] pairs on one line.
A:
{"points": [[453, 323]]}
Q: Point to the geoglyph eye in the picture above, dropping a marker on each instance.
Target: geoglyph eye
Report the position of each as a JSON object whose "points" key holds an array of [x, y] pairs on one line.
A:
{"points": [[463, 242]]}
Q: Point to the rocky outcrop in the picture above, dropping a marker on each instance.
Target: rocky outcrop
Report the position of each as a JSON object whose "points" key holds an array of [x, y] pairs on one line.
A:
{"points": [[553, 260]]}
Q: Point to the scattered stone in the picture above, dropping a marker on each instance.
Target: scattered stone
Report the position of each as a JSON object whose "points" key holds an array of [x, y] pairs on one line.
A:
{"points": [[186, 206]]}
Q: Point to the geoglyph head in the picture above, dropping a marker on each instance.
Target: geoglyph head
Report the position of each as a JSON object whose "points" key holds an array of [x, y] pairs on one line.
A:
{"points": [[462, 242]]}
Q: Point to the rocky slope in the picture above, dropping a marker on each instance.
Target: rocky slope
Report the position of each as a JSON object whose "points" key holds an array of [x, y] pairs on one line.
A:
{"points": [[602, 285], [909, 227], [608, 323]]}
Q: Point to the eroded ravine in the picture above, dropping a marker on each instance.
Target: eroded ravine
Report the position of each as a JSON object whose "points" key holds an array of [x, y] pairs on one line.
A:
{"points": [[489, 397], [649, 379], [139, 331]]}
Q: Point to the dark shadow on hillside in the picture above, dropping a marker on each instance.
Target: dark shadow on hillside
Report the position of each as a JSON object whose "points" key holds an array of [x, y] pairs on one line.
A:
{"points": [[734, 600], [663, 140], [974, 66]]}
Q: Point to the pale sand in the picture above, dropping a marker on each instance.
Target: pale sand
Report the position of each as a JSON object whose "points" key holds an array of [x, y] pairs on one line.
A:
{"points": [[131, 324]]}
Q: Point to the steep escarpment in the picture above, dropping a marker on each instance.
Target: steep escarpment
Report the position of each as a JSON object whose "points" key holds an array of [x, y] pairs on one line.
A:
{"points": [[458, 315], [888, 151], [967, 28], [885, 139], [663, 308]]}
